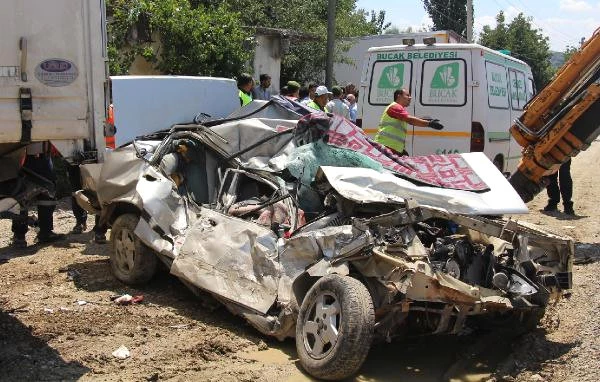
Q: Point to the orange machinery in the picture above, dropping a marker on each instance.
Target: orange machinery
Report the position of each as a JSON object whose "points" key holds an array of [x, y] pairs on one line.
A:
{"points": [[560, 121]]}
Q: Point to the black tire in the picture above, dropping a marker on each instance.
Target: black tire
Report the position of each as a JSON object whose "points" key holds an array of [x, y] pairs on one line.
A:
{"points": [[131, 261], [349, 311]]}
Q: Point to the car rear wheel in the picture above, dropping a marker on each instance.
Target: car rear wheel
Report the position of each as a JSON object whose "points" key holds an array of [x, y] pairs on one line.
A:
{"points": [[334, 329], [130, 260]]}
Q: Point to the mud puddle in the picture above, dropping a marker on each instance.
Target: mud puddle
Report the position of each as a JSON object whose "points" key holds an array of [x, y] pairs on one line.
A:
{"points": [[467, 358]]}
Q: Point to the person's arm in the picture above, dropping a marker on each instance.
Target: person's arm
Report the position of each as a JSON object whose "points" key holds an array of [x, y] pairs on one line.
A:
{"points": [[412, 120], [401, 114]]}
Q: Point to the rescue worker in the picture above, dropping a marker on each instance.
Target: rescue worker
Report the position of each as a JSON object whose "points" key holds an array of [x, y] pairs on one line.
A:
{"points": [[321, 99], [560, 184], [74, 173], [245, 82], [293, 90], [394, 122], [39, 162], [110, 129]]}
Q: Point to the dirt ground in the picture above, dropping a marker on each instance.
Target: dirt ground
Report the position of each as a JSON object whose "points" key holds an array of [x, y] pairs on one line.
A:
{"points": [[57, 321]]}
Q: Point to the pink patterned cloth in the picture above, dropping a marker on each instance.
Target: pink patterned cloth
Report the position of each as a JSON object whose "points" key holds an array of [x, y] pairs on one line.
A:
{"points": [[447, 171]]}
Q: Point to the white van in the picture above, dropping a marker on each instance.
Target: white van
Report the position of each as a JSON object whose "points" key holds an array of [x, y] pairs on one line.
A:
{"points": [[474, 91]]}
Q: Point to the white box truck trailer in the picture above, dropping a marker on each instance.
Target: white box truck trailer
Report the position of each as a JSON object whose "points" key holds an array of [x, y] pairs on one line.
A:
{"points": [[53, 74], [474, 91], [53, 71]]}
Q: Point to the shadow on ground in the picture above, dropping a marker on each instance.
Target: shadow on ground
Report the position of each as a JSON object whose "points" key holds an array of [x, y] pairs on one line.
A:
{"points": [[586, 253], [475, 357], [562, 216], [24, 356], [532, 351]]}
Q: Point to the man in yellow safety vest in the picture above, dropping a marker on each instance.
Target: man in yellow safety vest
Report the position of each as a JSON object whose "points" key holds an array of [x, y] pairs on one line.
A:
{"points": [[245, 82], [321, 99], [394, 122]]}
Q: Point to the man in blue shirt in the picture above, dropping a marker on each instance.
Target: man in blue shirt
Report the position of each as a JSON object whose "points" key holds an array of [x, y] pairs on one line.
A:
{"points": [[261, 91]]}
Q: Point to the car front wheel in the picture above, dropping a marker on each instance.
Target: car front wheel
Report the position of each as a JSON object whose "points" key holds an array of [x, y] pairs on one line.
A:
{"points": [[131, 261], [334, 329]]}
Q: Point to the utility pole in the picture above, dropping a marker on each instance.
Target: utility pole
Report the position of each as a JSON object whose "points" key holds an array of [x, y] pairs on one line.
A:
{"points": [[330, 42], [470, 21]]}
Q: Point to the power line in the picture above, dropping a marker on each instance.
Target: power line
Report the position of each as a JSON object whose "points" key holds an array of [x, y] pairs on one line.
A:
{"points": [[536, 24], [556, 30]]}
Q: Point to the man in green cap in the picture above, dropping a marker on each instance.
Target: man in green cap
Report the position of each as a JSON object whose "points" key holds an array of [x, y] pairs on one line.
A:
{"points": [[293, 90]]}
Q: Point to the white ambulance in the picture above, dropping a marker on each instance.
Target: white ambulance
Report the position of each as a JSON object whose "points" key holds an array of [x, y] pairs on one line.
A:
{"points": [[475, 92]]}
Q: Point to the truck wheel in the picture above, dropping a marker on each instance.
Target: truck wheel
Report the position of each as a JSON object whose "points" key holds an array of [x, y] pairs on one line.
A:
{"points": [[335, 326], [130, 260]]}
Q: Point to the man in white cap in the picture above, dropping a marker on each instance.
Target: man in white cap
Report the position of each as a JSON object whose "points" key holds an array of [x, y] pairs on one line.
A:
{"points": [[321, 99]]}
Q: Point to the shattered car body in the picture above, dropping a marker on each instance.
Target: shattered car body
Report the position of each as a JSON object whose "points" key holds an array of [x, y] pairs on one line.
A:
{"points": [[306, 233]]}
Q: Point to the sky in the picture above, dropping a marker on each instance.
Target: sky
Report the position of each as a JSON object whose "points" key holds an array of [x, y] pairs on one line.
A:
{"points": [[565, 22]]}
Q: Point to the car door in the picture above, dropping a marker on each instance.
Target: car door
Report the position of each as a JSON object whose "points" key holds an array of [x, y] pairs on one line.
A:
{"points": [[443, 92], [232, 256]]}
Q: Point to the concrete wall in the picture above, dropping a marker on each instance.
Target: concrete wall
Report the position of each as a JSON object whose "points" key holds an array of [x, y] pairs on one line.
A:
{"points": [[267, 59]]}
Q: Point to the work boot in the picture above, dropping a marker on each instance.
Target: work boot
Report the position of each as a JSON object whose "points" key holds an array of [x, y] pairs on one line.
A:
{"points": [[19, 243], [79, 228], [569, 208], [99, 238], [49, 237], [551, 207]]}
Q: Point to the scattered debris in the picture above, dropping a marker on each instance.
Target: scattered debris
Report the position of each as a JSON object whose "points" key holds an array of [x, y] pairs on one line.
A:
{"points": [[182, 326], [48, 310], [81, 302], [121, 353], [127, 299]]}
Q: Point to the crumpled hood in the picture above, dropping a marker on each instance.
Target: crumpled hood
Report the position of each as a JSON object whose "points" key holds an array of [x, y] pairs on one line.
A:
{"points": [[363, 185]]}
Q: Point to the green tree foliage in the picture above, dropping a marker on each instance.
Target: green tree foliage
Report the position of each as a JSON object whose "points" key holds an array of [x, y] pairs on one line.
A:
{"points": [[194, 39], [209, 37], [525, 43], [306, 58], [448, 14], [569, 51]]}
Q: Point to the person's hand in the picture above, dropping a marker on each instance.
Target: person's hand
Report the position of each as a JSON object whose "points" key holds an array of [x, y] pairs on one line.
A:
{"points": [[435, 124]]}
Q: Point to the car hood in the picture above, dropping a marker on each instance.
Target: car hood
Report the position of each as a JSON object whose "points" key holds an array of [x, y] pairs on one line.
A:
{"points": [[364, 185]]}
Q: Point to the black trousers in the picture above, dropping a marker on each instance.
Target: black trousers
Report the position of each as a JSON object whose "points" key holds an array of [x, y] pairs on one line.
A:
{"points": [[561, 185], [75, 180], [79, 213], [41, 165]]}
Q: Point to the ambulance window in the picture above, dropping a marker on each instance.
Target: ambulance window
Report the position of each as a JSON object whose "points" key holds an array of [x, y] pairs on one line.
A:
{"points": [[530, 88], [387, 77], [497, 85], [517, 89], [444, 83]]}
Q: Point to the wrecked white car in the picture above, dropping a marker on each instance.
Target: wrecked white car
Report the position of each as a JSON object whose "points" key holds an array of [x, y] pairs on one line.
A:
{"points": [[307, 229]]}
